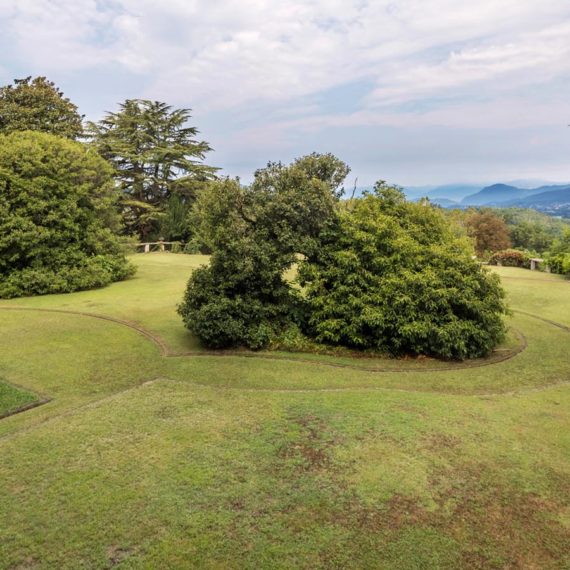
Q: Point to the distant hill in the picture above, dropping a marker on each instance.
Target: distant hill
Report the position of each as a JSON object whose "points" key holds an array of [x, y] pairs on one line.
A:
{"points": [[553, 199], [454, 192], [493, 195], [444, 202]]}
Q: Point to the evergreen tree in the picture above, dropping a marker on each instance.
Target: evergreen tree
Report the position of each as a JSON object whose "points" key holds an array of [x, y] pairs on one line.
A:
{"points": [[256, 234], [155, 155]]}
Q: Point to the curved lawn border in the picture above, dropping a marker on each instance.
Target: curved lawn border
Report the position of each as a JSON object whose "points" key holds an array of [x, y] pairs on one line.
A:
{"points": [[165, 352], [547, 321]]}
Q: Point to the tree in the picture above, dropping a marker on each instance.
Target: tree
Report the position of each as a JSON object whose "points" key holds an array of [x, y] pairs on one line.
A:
{"points": [[392, 276], [38, 105], [58, 217], [255, 234], [489, 231], [155, 155], [558, 258]]}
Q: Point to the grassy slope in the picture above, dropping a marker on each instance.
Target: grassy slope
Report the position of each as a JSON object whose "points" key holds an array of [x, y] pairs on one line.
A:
{"points": [[148, 462]]}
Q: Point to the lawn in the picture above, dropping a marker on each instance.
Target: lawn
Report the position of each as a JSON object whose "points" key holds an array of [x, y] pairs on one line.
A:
{"points": [[14, 399], [152, 453]]}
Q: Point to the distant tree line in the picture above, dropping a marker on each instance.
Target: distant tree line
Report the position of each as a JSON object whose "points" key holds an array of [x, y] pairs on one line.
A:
{"points": [[516, 234]]}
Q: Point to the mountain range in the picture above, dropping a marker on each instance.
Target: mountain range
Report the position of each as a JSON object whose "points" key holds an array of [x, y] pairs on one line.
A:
{"points": [[549, 198]]}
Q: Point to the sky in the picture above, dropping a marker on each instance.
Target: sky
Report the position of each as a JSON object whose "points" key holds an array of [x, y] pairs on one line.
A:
{"points": [[414, 92]]}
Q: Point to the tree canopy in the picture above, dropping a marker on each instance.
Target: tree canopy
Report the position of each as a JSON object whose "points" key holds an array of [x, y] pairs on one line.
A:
{"points": [[156, 155], [58, 217], [38, 105], [489, 231], [256, 233]]}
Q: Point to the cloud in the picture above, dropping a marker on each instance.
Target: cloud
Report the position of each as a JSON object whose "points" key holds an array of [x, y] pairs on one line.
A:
{"points": [[526, 60], [268, 67]]}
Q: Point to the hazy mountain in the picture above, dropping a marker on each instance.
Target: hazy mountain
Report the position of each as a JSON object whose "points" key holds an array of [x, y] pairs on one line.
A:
{"points": [[444, 202], [546, 197], [505, 195], [552, 202], [495, 194], [454, 192]]}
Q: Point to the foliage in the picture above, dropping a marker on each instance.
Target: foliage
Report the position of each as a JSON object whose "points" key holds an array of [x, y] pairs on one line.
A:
{"points": [[532, 230], [559, 263], [57, 217], [156, 156], [510, 258], [558, 258], [174, 225], [38, 105], [392, 276], [255, 234], [489, 231]]}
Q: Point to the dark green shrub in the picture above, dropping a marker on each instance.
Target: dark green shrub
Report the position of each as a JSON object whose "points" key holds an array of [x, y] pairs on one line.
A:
{"points": [[558, 258], [255, 234], [57, 217], [393, 277]]}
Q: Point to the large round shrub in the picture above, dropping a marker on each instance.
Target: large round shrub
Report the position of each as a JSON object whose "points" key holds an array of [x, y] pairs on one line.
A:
{"points": [[393, 277], [57, 217]]}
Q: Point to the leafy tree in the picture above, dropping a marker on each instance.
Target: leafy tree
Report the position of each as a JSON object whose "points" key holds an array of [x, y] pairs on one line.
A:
{"points": [[392, 276], [256, 234], [38, 105], [174, 223], [558, 258], [489, 231], [156, 155], [57, 217]]}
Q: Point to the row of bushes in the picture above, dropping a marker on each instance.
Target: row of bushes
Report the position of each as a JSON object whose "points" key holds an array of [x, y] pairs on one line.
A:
{"points": [[554, 262], [511, 258]]}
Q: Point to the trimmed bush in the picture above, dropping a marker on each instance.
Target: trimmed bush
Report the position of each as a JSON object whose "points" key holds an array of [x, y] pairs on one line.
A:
{"points": [[559, 263]]}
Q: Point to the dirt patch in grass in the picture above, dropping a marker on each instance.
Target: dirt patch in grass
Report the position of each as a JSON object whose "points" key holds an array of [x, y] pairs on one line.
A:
{"points": [[310, 445], [475, 506], [116, 554], [438, 441], [501, 526]]}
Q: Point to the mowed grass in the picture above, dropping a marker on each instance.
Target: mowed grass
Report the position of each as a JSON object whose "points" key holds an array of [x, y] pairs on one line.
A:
{"points": [[13, 399], [142, 461], [540, 293]]}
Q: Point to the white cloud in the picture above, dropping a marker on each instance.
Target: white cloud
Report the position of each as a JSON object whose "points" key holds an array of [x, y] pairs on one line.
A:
{"points": [[227, 53], [526, 60], [428, 62]]}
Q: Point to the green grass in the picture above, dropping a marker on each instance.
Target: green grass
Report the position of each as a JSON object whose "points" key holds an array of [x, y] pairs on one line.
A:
{"points": [[145, 461], [13, 399]]}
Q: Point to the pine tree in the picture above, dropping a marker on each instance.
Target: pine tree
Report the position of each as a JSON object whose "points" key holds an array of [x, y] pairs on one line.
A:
{"points": [[155, 155]]}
